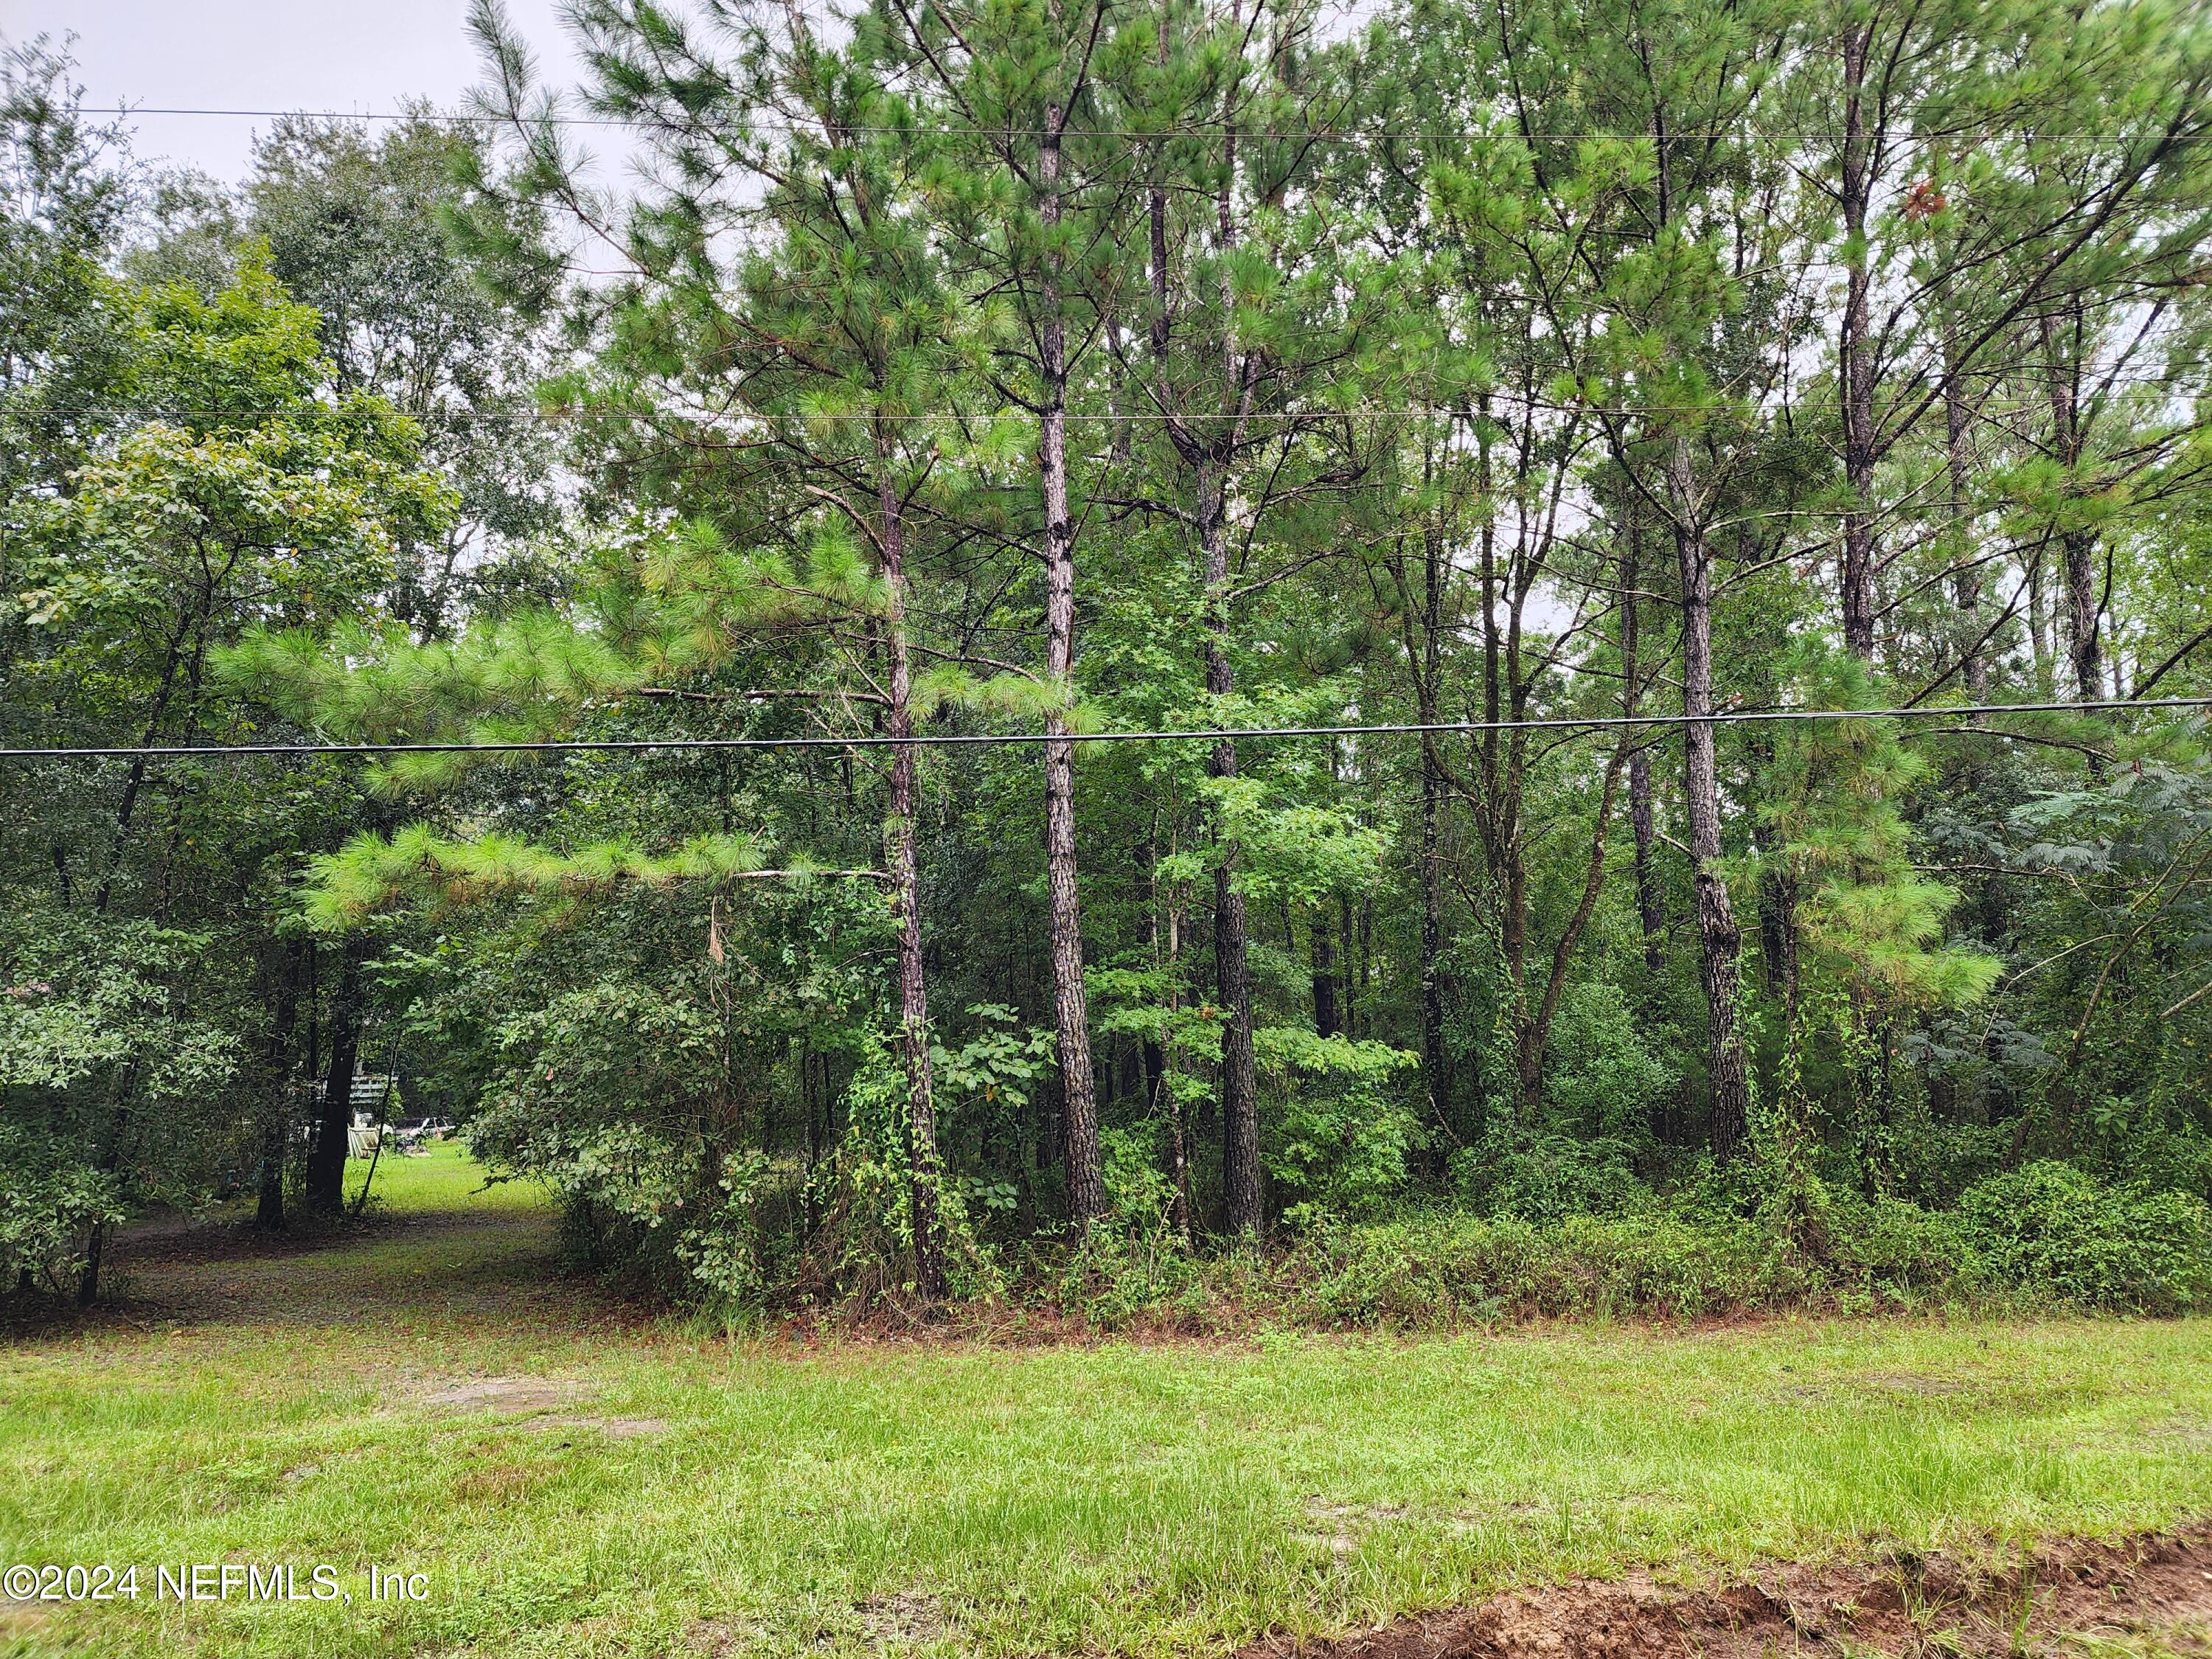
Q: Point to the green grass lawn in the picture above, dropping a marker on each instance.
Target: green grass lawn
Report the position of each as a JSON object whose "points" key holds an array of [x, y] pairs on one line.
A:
{"points": [[431, 1397]]}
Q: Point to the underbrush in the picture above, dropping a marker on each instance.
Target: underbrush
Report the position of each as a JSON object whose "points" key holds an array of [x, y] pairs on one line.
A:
{"points": [[2047, 1237]]}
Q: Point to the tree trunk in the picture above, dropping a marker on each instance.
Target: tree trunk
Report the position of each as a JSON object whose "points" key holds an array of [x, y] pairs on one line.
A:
{"points": [[2039, 632], [1854, 357], [135, 779], [1436, 1058], [88, 1282], [1086, 1189], [1966, 582], [1351, 983], [269, 1198], [1719, 940], [1324, 974], [906, 891], [1649, 916], [2077, 547], [325, 1185], [1209, 461], [1182, 1214], [1240, 1082]]}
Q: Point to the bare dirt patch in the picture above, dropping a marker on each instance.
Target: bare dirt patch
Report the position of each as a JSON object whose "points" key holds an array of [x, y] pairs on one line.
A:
{"points": [[613, 1428], [21, 1623], [1339, 1525], [2009, 1603], [901, 1618], [509, 1396]]}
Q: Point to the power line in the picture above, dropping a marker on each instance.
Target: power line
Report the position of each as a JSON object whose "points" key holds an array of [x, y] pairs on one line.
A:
{"points": [[752, 418], [990, 739], [1147, 135]]}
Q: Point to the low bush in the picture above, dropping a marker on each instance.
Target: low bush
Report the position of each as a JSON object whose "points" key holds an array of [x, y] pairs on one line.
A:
{"points": [[1452, 1266], [1551, 1177], [2053, 1228], [2049, 1235]]}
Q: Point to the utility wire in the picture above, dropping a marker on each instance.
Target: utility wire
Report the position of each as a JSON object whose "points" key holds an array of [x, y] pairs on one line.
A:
{"points": [[754, 419], [992, 739], [649, 123]]}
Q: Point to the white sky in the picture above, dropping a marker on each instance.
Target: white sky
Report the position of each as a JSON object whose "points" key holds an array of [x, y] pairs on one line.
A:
{"points": [[355, 55]]}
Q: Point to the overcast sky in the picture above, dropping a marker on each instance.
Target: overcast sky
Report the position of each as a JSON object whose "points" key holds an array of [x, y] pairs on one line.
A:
{"points": [[357, 55]]}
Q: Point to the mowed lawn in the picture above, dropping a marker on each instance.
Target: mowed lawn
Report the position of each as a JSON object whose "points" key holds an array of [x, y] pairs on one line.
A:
{"points": [[433, 1398]]}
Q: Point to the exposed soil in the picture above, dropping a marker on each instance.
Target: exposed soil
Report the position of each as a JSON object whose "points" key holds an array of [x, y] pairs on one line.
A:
{"points": [[472, 1266], [2157, 1586], [513, 1396]]}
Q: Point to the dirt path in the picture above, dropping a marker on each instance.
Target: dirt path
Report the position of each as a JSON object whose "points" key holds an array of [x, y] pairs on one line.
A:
{"points": [[2150, 1596], [490, 1264]]}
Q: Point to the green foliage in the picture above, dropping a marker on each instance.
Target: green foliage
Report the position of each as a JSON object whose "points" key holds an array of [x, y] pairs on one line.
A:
{"points": [[1493, 382], [2058, 1229], [1606, 1078], [372, 872], [1550, 1177], [114, 1089], [1341, 1133], [1836, 796], [301, 502]]}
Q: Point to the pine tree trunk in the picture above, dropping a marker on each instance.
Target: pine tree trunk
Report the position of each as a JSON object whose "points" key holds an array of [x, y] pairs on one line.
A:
{"points": [[2077, 547], [1182, 1213], [906, 889], [1650, 917], [1086, 1189], [326, 1184], [1719, 939], [1240, 1081], [1966, 582], [1855, 358], [269, 1199], [2038, 627], [1436, 1057]]}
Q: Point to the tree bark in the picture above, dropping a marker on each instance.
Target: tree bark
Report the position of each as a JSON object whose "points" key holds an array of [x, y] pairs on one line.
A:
{"points": [[1324, 974], [1436, 1057], [1966, 582], [135, 779], [1720, 941], [88, 1282], [906, 891], [1649, 914], [2077, 547], [268, 1197], [1181, 1213], [326, 1184], [1209, 459], [1086, 1189], [1240, 1081], [1855, 358]]}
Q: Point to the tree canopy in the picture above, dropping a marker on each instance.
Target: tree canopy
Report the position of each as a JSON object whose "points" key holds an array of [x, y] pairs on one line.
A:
{"points": [[1558, 384]]}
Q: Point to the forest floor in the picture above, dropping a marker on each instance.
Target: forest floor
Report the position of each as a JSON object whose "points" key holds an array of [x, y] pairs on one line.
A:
{"points": [[425, 1394]]}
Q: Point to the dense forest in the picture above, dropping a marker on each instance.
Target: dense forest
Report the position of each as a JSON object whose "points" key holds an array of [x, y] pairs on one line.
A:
{"points": [[1487, 411]]}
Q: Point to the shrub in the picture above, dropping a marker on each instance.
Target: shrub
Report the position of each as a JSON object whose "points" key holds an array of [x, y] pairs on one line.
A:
{"points": [[1895, 1252], [1339, 1134], [1451, 1267], [1604, 1077], [2052, 1226], [1550, 1177]]}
